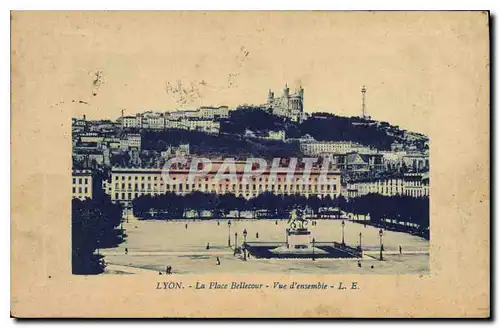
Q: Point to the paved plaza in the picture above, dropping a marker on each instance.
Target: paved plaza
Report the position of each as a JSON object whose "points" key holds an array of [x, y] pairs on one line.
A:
{"points": [[153, 245]]}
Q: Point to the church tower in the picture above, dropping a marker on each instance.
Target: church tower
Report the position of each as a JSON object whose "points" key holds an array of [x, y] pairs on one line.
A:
{"points": [[286, 92], [270, 97]]}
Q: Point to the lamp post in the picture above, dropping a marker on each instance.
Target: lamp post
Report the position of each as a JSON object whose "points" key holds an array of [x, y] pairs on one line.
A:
{"points": [[245, 244], [314, 240], [381, 233], [286, 237], [360, 240], [343, 225], [235, 240], [229, 235]]}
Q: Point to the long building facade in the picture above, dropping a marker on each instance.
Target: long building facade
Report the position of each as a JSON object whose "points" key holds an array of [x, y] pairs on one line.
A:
{"points": [[126, 184], [410, 184]]}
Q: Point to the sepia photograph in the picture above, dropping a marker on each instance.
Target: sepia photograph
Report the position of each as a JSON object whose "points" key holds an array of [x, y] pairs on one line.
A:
{"points": [[236, 158]]}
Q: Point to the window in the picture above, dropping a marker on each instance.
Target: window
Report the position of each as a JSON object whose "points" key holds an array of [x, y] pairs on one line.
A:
{"points": [[74, 180], [79, 180], [123, 186], [129, 186], [123, 177], [86, 190], [123, 195], [116, 195], [74, 189]]}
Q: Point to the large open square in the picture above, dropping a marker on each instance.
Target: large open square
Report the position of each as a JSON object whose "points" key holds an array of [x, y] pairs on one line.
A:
{"points": [[182, 244]]}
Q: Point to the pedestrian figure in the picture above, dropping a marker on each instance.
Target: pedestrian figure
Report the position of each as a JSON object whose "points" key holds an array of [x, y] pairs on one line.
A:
{"points": [[218, 223], [276, 222], [159, 272], [126, 251], [218, 261], [208, 245], [400, 250], [169, 270], [359, 264], [186, 226], [371, 267], [257, 235]]}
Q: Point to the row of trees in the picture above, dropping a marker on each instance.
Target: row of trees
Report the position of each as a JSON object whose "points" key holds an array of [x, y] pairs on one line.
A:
{"points": [[268, 205], [93, 226], [412, 211], [171, 205]]}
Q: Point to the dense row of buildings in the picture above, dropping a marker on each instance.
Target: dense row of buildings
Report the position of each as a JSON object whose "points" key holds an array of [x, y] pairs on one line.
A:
{"points": [[205, 119], [95, 143]]}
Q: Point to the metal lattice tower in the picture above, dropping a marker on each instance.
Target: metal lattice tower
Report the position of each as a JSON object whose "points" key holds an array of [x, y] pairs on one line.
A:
{"points": [[363, 101]]}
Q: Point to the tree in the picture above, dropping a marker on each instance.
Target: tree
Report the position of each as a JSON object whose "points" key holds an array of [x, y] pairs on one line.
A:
{"points": [[93, 225]]}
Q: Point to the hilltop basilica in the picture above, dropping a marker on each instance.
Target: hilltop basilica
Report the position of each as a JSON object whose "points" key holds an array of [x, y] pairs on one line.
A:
{"points": [[288, 105]]}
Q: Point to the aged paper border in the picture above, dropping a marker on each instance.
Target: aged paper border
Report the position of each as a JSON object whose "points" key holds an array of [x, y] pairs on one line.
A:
{"points": [[459, 282]]}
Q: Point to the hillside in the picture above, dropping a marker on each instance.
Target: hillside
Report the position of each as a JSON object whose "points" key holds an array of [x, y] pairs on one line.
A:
{"points": [[321, 126]]}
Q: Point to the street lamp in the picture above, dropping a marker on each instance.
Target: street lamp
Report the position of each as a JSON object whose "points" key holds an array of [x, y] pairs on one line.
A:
{"points": [[314, 240], [360, 240], [343, 225], [381, 233], [229, 235], [245, 245], [235, 240]]}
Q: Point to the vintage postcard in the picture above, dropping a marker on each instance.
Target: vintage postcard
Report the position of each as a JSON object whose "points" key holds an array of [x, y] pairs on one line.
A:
{"points": [[250, 164]]}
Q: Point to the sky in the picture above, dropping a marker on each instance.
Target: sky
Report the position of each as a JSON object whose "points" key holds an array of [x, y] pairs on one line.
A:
{"points": [[106, 62]]}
